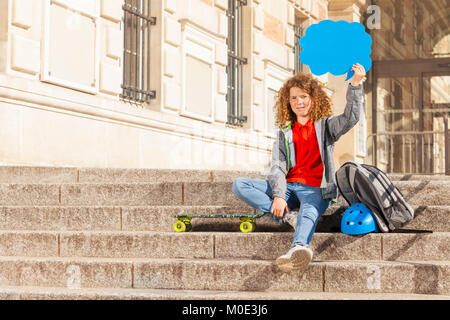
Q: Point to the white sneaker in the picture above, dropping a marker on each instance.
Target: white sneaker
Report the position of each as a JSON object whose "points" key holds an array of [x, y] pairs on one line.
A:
{"points": [[291, 219], [297, 258]]}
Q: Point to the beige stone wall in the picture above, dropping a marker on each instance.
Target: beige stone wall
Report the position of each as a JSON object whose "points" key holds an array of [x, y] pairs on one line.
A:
{"points": [[61, 70]]}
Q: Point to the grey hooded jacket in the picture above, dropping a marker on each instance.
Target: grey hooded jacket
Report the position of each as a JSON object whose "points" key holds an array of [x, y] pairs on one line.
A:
{"points": [[328, 131]]}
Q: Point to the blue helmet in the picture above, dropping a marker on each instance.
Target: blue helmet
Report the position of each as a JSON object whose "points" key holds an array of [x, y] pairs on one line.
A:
{"points": [[358, 219]]}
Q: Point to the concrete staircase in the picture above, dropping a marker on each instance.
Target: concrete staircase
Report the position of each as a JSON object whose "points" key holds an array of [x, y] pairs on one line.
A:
{"points": [[68, 233]]}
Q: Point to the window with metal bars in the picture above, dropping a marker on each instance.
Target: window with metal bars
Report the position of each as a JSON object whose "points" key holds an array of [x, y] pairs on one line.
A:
{"points": [[298, 32], [235, 63], [136, 53]]}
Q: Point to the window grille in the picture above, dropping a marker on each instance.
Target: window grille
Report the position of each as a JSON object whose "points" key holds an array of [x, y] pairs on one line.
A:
{"points": [[136, 53], [298, 32], [235, 63]]}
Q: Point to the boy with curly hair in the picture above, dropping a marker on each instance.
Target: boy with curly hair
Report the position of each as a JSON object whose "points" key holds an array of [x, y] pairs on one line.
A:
{"points": [[302, 174]]}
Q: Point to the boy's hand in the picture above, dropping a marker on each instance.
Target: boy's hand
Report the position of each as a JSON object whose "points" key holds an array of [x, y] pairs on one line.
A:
{"points": [[278, 207], [360, 73]]}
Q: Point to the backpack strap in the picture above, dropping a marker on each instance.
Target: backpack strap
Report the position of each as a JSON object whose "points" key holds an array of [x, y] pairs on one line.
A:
{"points": [[351, 177]]}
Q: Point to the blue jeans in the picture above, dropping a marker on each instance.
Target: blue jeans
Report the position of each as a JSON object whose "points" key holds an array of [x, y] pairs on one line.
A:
{"points": [[308, 200]]}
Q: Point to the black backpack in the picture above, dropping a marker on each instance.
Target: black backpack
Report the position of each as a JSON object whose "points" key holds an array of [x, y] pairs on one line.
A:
{"points": [[369, 185]]}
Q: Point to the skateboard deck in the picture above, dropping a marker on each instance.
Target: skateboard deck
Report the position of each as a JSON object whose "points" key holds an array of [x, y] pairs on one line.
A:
{"points": [[183, 224]]}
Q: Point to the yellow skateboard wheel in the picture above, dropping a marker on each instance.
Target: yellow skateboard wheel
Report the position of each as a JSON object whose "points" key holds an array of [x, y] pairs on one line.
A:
{"points": [[179, 226], [246, 226]]}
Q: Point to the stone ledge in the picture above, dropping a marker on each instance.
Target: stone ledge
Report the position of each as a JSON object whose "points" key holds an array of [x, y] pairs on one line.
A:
{"points": [[39, 174], [172, 193], [413, 277], [235, 245], [54, 293], [158, 218]]}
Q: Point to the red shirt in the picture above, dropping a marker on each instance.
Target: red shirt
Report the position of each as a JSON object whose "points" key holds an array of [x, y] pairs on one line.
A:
{"points": [[308, 168]]}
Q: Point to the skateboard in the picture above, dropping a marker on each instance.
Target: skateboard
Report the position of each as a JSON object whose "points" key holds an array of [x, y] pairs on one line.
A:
{"points": [[183, 224]]}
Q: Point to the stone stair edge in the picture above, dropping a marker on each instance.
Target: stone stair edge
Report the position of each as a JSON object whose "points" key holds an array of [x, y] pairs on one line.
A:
{"points": [[212, 261], [88, 168], [76, 174], [232, 207], [228, 275], [158, 218], [225, 233], [172, 193], [159, 206], [107, 183], [140, 206], [57, 293], [200, 193], [413, 187], [415, 183], [206, 245]]}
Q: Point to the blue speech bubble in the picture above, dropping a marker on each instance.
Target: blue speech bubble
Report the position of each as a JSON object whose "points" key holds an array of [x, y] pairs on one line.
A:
{"points": [[330, 46]]}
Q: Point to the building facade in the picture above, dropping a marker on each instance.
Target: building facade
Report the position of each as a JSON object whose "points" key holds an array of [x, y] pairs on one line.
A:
{"points": [[178, 84], [408, 92]]}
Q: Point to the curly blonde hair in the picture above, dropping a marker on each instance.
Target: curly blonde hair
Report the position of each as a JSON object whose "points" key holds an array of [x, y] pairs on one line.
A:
{"points": [[321, 103]]}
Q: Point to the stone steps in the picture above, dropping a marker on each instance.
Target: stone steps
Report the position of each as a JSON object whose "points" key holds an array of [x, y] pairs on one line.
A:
{"points": [[32, 174], [223, 245], [27, 174], [257, 275], [158, 218], [413, 277], [74, 233], [432, 218], [186, 193], [54, 293], [131, 218]]}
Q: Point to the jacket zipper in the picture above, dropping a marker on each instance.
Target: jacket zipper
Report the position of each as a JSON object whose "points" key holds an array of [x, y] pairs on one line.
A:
{"points": [[288, 156]]}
